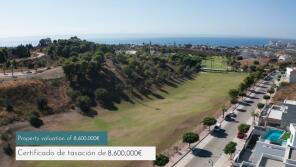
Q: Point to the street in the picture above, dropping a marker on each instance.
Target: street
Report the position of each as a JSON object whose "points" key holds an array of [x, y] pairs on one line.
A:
{"points": [[206, 153]]}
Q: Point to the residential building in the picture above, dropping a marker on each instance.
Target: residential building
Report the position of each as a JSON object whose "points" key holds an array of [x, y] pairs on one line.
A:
{"points": [[269, 147], [278, 115], [290, 75]]}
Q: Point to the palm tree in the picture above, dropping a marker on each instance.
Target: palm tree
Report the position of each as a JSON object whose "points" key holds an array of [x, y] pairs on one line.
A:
{"points": [[254, 115]]}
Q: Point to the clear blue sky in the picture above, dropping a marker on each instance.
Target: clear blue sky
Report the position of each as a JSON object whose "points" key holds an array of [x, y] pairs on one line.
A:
{"points": [[248, 18]]}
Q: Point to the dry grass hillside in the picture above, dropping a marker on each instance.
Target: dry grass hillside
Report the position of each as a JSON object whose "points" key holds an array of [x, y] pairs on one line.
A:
{"points": [[285, 92], [23, 95]]}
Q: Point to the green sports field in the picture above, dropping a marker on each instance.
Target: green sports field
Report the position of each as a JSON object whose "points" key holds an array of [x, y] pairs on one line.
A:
{"points": [[215, 62]]}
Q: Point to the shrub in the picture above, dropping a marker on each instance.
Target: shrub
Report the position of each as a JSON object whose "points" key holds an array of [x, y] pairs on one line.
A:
{"points": [[35, 121], [233, 93], [83, 103], [230, 148], [101, 94], [234, 101], [8, 150], [161, 160], [271, 91], [8, 105], [243, 128], [73, 93], [260, 105], [42, 104], [266, 97]]}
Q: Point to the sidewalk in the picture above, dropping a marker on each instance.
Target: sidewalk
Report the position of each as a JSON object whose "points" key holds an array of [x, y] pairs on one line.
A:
{"points": [[224, 160], [205, 138], [181, 159]]}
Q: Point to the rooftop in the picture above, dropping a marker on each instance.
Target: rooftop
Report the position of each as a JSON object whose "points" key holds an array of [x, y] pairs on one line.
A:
{"points": [[269, 162], [292, 154]]}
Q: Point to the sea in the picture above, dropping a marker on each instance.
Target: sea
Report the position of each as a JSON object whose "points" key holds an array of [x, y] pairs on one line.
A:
{"points": [[210, 41]]}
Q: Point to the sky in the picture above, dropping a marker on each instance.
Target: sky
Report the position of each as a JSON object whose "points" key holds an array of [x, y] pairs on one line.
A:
{"points": [[226, 18]]}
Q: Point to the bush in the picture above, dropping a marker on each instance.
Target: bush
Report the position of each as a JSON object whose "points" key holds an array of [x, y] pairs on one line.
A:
{"points": [[271, 91], [266, 97], [8, 150], [4, 137], [83, 103], [230, 148], [8, 105], [260, 105], [35, 121], [42, 104], [74, 94], [233, 93], [161, 160], [101, 94], [234, 101], [243, 128]]}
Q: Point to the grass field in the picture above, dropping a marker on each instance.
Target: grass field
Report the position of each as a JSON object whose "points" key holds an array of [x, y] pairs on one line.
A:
{"points": [[156, 122], [215, 62]]}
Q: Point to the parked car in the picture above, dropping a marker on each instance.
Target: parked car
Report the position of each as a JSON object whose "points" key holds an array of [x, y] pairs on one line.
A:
{"points": [[232, 114], [228, 118], [217, 128]]}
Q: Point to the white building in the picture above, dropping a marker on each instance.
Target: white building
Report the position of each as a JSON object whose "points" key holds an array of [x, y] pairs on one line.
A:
{"points": [[279, 115], [290, 75], [284, 58], [271, 148]]}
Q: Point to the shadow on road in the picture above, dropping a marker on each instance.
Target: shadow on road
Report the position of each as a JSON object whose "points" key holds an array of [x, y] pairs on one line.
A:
{"points": [[241, 110], [251, 97], [248, 101], [220, 134], [244, 104], [201, 152]]}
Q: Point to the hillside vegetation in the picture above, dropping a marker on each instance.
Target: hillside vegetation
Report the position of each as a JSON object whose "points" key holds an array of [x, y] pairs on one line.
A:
{"points": [[19, 99]]}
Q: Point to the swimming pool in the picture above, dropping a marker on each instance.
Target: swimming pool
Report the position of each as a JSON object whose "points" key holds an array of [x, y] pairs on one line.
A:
{"points": [[274, 136]]}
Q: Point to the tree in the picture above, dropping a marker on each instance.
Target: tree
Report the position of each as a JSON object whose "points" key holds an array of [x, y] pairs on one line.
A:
{"points": [[242, 94], [8, 149], [271, 91], [223, 108], [256, 62], [233, 93], [190, 137], [242, 87], [234, 101], [253, 68], [243, 128], [35, 121], [42, 104], [161, 160], [266, 97], [83, 103], [8, 105], [230, 148], [254, 115], [260, 106], [44, 42], [101, 94], [209, 121]]}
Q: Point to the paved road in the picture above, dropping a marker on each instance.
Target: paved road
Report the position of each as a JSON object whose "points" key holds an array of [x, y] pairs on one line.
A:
{"points": [[213, 146]]}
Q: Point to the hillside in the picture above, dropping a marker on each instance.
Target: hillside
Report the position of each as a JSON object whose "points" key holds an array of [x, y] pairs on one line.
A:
{"points": [[23, 94]]}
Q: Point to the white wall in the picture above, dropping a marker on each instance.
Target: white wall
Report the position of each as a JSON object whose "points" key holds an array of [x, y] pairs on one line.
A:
{"points": [[266, 148]]}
